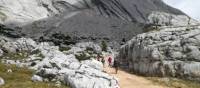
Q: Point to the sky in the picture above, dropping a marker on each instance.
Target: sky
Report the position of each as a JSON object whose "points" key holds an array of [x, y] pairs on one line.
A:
{"points": [[190, 7]]}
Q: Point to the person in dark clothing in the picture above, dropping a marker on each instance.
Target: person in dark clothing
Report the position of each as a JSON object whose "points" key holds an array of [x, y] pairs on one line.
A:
{"points": [[98, 57], [116, 66], [103, 62]]}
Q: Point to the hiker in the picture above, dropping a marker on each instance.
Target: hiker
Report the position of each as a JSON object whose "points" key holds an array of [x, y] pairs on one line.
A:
{"points": [[110, 61], [103, 62], [116, 66], [98, 57]]}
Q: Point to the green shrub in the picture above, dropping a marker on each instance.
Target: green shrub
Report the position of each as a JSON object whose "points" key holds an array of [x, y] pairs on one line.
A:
{"points": [[37, 51], [104, 46], [15, 56], [82, 57], [64, 48]]}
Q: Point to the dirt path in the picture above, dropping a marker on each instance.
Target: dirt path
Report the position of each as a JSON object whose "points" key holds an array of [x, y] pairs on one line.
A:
{"points": [[127, 80]]}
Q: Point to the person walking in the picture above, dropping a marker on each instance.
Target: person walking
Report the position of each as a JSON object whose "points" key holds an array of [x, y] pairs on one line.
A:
{"points": [[103, 62], [116, 66], [98, 57], [110, 61]]}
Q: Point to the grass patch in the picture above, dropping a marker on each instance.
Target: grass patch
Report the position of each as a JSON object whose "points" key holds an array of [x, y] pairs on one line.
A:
{"points": [[174, 82], [104, 46], [64, 48], [82, 57], [21, 78], [15, 56], [38, 53]]}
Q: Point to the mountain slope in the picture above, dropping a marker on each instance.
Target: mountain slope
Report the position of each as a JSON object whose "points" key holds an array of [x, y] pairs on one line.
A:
{"points": [[83, 20]]}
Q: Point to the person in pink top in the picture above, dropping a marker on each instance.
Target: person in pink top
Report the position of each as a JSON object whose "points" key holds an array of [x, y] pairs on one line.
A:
{"points": [[110, 61]]}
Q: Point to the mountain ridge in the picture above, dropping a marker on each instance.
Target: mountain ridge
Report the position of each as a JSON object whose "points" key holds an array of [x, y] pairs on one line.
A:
{"points": [[85, 20]]}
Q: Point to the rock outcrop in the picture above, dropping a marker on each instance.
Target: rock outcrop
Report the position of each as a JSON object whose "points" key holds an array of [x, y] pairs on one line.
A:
{"points": [[52, 65], [171, 51]]}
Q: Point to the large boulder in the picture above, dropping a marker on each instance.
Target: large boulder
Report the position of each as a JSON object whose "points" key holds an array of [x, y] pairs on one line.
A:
{"points": [[21, 44], [36, 78], [94, 64], [172, 51], [87, 77], [57, 66]]}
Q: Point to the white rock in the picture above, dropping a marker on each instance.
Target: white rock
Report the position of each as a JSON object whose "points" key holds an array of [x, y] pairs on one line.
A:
{"points": [[87, 77], [94, 64], [22, 12], [2, 82], [59, 67], [173, 51], [36, 78], [1, 52], [170, 19], [9, 71], [74, 65]]}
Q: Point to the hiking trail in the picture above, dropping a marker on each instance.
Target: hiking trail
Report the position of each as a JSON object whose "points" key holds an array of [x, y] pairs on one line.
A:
{"points": [[127, 80]]}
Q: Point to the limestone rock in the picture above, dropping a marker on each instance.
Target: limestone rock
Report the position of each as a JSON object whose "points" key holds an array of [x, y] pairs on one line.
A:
{"points": [[173, 51], [1, 52], [2, 82], [56, 66], [94, 64], [36, 78]]}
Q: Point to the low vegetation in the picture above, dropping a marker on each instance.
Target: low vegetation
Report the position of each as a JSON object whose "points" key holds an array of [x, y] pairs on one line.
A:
{"points": [[104, 46], [64, 48], [150, 27], [174, 82], [21, 78], [14, 56], [82, 56]]}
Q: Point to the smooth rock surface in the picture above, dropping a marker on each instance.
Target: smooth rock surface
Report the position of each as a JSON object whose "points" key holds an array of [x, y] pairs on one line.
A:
{"points": [[94, 64]]}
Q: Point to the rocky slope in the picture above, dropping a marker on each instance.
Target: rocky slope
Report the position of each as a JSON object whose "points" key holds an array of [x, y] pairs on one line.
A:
{"points": [[170, 51], [52, 65], [113, 20]]}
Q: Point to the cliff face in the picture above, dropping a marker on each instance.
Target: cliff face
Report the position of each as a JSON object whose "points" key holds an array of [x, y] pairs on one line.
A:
{"points": [[83, 20], [172, 51]]}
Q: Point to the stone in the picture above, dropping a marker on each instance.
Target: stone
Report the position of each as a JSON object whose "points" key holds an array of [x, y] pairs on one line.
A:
{"points": [[74, 65], [176, 55], [36, 78], [9, 71], [2, 82], [1, 53], [87, 77], [94, 64]]}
